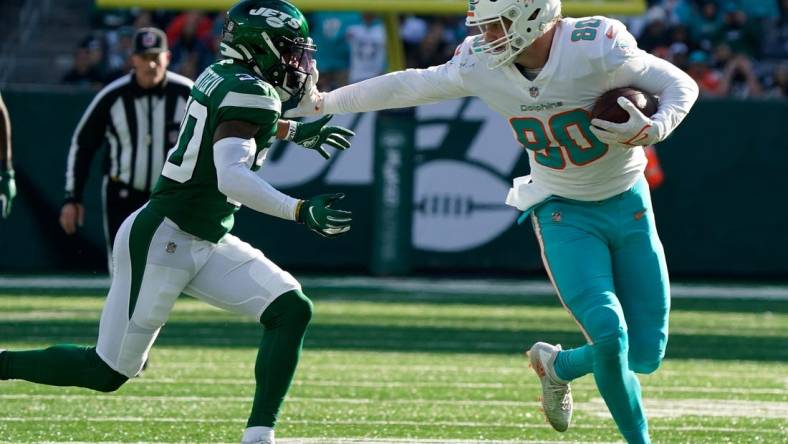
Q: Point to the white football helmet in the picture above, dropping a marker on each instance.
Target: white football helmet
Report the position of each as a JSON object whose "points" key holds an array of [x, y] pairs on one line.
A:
{"points": [[523, 20]]}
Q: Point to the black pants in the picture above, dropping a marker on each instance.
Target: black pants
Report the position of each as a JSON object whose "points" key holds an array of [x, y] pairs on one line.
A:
{"points": [[120, 200]]}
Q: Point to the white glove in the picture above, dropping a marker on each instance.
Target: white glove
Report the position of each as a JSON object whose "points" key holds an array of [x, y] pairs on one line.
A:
{"points": [[639, 130], [312, 102]]}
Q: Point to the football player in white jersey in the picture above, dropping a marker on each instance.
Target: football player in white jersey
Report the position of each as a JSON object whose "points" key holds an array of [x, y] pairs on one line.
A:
{"points": [[588, 200]]}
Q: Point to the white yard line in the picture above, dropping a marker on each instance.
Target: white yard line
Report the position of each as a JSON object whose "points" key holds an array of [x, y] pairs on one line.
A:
{"points": [[441, 384], [330, 422], [245, 400], [340, 441], [416, 286], [657, 408], [681, 408]]}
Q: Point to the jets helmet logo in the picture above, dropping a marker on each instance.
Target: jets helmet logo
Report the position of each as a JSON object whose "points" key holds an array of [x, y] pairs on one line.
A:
{"points": [[276, 19]]}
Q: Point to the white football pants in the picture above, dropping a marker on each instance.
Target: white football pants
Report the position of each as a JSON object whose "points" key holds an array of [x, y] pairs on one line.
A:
{"points": [[154, 262]]}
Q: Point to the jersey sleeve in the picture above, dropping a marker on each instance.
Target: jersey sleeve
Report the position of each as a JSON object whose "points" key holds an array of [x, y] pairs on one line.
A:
{"points": [[401, 89], [618, 46], [628, 65], [252, 101]]}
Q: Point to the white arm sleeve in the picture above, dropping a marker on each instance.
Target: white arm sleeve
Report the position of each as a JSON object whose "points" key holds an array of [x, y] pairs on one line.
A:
{"points": [[398, 89], [232, 157], [676, 90]]}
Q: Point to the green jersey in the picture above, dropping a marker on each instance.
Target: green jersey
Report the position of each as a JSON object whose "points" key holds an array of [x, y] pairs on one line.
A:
{"points": [[187, 190]]}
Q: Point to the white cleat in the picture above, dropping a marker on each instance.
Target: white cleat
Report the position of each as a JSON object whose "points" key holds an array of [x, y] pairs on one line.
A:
{"points": [[556, 394], [258, 435]]}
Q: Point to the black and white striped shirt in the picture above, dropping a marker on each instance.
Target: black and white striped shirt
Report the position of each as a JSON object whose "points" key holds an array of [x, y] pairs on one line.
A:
{"points": [[138, 126]]}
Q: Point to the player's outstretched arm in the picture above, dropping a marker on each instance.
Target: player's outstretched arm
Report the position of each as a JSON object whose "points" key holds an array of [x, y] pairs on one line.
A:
{"points": [[233, 149], [313, 135], [399, 89]]}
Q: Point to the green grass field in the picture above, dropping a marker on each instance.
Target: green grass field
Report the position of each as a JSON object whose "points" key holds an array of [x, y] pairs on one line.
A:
{"points": [[388, 367]]}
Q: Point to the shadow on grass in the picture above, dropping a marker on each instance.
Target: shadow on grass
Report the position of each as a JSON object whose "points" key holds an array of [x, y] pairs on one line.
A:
{"points": [[387, 338], [550, 301], [489, 299]]}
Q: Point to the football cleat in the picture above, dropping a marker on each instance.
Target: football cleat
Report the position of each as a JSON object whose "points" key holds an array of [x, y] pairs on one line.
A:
{"points": [[258, 435], [556, 394]]}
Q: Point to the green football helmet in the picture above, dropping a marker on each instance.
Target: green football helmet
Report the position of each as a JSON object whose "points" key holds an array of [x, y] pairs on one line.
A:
{"points": [[272, 37]]}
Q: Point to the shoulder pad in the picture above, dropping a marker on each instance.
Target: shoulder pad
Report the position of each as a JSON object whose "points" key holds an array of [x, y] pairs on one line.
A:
{"points": [[467, 54]]}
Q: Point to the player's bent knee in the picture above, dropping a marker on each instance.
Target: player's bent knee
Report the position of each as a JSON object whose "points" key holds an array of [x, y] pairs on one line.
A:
{"points": [[645, 361], [644, 367], [302, 307], [291, 309], [610, 347], [607, 330], [646, 352]]}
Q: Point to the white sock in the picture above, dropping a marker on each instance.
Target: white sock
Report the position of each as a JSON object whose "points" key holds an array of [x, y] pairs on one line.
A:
{"points": [[259, 433]]}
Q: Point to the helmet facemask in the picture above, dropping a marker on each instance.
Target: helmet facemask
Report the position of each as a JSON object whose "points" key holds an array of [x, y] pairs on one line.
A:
{"points": [[523, 22], [291, 66]]}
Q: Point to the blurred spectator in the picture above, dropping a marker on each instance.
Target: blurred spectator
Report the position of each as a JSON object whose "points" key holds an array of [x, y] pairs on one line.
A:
{"points": [[777, 82], [199, 27], [708, 81], [739, 34], [329, 30], [739, 79], [190, 54], [730, 47], [680, 46], [119, 52], [655, 34], [367, 42], [84, 71], [704, 21], [757, 9], [431, 49], [430, 42], [775, 31], [144, 20]]}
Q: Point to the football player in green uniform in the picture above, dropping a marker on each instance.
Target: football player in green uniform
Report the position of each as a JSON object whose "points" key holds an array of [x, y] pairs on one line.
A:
{"points": [[7, 183], [180, 243]]}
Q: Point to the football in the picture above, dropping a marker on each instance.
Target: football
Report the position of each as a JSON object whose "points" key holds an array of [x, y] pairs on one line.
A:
{"points": [[607, 108]]}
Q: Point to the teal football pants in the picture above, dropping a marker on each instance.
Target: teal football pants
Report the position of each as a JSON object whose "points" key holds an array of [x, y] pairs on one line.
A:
{"points": [[607, 264]]}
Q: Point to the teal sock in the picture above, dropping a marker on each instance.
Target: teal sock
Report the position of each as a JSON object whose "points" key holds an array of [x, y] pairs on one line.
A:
{"points": [[285, 322], [574, 363], [637, 436], [620, 388], [61, 365]]}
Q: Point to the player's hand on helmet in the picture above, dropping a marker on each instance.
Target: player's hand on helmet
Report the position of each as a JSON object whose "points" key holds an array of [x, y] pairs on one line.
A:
{"points": [[316, 213], [311, 103], [314, 135], [7, 192], [638, 130], [72, 215]]}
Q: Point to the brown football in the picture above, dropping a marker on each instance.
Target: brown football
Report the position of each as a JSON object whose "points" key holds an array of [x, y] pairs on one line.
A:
{"points": [[607, 108]]}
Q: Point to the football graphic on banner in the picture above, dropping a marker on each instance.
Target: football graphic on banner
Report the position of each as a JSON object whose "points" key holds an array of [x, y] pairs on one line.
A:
{"points": [[458, 206]]}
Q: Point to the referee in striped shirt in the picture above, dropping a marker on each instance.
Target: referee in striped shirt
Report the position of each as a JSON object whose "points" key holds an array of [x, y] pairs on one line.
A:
{"points": [[137, 118]]}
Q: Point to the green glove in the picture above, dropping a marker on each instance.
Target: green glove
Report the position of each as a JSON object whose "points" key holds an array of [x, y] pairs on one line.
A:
{"points": [[313, 135], [7, 192], [316, 213]]}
